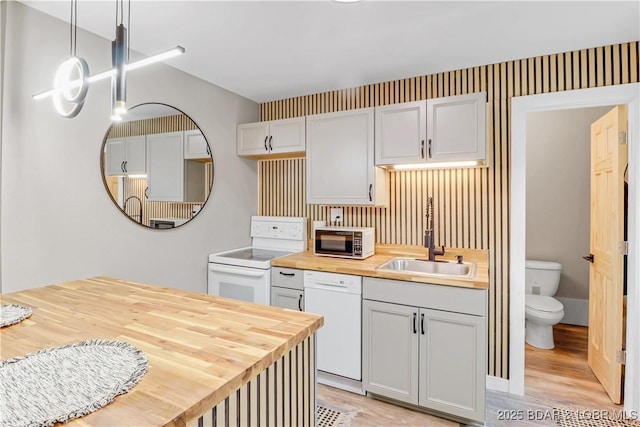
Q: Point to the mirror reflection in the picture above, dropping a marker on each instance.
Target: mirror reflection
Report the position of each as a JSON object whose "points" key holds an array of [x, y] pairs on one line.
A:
{"points": [[157, 166]]}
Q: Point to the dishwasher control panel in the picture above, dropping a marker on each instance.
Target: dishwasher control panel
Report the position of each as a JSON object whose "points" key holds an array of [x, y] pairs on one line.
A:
{"points": [[348, 281]]}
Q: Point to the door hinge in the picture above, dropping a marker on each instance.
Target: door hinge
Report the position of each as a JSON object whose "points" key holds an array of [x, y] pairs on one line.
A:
{"points": [[622, 137], [623, 248], [621, 357]]}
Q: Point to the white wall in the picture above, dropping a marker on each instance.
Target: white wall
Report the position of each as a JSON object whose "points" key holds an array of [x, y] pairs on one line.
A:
{"points": [[58, 223], [558, 193]]}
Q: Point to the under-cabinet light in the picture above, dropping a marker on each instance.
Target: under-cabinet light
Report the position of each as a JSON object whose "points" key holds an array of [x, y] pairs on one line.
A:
{"points": [[450, 165]]}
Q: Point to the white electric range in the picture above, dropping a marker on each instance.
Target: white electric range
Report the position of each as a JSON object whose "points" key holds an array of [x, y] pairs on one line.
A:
{"points": [[245, 273]]}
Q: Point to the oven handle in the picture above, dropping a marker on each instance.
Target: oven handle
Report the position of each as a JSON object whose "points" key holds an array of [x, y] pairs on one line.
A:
{"points": [[244, 272]]}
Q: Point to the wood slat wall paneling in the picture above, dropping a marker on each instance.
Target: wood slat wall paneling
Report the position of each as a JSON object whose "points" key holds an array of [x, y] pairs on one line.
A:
{"points": [[472, 205]]}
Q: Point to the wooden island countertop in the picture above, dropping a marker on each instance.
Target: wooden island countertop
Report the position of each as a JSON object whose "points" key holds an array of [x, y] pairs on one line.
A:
{"points": [[367, 267], [200, 348]]}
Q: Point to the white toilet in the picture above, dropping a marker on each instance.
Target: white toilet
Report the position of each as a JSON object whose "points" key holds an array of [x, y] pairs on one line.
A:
{"points": [[542, 311]]}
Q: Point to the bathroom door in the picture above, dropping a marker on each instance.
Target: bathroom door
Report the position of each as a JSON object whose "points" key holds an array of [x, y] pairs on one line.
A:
{"points": [[606, 275]]}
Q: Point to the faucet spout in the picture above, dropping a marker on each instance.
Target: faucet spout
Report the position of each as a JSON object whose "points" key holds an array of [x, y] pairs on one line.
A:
{"points": [[429, 241], [139, 215]]}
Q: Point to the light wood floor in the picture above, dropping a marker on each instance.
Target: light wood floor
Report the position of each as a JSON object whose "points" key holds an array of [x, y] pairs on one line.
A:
{"points": [[553, 378]]}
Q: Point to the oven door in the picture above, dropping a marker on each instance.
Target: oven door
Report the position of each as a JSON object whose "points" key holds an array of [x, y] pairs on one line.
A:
{"points": [[242, 283]]}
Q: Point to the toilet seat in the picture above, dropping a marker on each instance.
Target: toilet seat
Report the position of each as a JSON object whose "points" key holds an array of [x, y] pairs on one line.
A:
{"points": [[543, 304]]}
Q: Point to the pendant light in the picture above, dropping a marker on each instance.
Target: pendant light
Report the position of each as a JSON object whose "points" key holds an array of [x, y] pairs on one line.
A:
{"points": [[72, 78], [69, 99]]}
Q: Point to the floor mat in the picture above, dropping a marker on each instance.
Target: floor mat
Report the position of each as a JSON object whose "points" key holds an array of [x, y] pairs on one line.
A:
{"points": [[330, 416]]}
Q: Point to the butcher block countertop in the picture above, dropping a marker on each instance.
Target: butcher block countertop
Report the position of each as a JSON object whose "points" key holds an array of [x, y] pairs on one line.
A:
{"points": [[200, 348], [367, 267]]}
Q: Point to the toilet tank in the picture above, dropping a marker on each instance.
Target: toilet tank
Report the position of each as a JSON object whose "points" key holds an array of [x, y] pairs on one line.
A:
{"points": [[542, 277]]}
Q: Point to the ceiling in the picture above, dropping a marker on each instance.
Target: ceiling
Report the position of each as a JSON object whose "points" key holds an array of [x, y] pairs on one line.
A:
{"points": [[269, 50]]}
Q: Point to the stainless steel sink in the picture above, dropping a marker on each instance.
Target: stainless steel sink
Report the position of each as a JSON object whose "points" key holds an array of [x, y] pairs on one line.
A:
{"points": [[430, 268]]}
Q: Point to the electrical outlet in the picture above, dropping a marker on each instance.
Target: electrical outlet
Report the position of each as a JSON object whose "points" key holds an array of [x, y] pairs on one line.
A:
{"points": [[336, 214]]}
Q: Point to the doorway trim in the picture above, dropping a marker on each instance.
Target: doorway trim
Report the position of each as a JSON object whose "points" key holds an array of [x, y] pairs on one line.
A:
{"points": [[583, 98]]}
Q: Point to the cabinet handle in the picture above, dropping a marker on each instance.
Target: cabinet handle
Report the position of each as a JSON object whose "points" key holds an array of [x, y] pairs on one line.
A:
{"points": [[422, 323], [422, 149], [208, 150], [288, 274], [265, 143], [270, 147], [429, 148], [125, 166], [146, 194], [415, 331], [122, 166], [370, 189], [300, 302]]}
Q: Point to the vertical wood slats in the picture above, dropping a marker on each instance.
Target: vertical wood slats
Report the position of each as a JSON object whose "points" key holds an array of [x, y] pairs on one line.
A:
{"points": [[472, 204], [282, 395], [137, 186]]}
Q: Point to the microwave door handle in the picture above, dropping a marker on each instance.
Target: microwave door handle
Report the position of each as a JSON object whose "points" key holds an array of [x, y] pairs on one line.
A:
{"points": [[230, 270]]}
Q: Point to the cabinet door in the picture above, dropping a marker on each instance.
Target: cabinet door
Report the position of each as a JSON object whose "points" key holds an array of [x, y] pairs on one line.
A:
{"points": [[136, 148], [401, 131], [195, 145], [456, 128], [165, 175], [252, 139], [287, 135], [292, 299], [116, 155], [452, 363], [340, 164], [390, 350]]}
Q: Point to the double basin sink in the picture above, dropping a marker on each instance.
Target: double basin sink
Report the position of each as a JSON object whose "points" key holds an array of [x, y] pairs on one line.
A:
{"points": [[429, 268]]}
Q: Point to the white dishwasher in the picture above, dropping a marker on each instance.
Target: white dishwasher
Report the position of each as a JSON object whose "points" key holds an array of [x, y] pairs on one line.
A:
{"points": [[338, 297]]}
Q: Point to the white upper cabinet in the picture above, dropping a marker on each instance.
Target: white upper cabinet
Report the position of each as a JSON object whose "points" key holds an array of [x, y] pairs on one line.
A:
{"points": [[448, 129], [171, 178], [276, 138], [340, 160], [456, 128], [126, 156], [195, 145], [401, 132]]}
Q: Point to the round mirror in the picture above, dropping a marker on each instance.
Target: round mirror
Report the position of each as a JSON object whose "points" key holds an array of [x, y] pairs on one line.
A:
{"points": [[157, 166]]}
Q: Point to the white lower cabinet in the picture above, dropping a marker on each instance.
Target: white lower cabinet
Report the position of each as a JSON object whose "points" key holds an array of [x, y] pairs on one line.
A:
{"points": [[426, 345], [287, 288]]}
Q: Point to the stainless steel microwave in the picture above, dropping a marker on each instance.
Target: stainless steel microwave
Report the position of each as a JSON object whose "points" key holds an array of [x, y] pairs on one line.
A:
{"points": [[344, 242]]}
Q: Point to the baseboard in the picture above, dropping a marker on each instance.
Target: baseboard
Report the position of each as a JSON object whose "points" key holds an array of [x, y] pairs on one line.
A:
{"points": [[497, 384], [576, 311]]}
